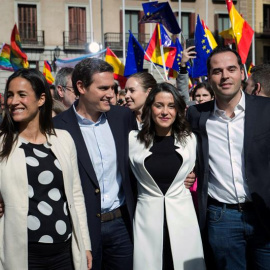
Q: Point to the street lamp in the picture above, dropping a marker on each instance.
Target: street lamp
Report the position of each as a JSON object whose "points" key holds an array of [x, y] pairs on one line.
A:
{"points": [[56, 55]]}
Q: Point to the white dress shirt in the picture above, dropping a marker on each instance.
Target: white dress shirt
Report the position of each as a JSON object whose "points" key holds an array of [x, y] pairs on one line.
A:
{"points": [[227, 180]]}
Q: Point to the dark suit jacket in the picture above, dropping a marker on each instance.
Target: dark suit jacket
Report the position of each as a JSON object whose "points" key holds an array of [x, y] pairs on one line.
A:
{"points": [[256, 154], [121, 121]]}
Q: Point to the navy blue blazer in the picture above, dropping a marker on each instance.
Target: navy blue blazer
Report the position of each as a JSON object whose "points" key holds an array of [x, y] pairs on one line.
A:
{"points": [[121, 121], [256, 154]]}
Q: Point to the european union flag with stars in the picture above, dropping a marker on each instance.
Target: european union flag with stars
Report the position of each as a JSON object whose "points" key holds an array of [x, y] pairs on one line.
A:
{"points": [[178, 57], [203, 49], [135, 55]]}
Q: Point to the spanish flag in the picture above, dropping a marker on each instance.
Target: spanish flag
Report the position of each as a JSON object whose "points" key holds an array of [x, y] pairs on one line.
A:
{"points": [[249, 69], [118, 67], [153, 49], [242, 31], [18, 58], [211, 39], [47, 72]]}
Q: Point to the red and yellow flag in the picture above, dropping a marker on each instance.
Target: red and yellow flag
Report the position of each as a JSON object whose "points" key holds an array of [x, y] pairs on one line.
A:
{"points": [[18, 58], [47, 72], [153, 50], [118, 67], [249, 69], [211, 39], [242, 31]]}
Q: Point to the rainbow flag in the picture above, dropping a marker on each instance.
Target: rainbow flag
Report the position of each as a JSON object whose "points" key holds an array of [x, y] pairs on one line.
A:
{"points": [[5, 58], [211, 39], [242, 31], [118, 67], [18, 58], [47, 72], [153, 49]]}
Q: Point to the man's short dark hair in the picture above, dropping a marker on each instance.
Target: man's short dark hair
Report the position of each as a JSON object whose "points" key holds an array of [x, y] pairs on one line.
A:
{"points": [[218, 50], [260, 74], [85, 70]]}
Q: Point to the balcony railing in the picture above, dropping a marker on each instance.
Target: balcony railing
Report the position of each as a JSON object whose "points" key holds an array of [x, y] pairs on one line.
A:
{"points": [[264, 29], [75, 40], [32, 39], [115, 40]]}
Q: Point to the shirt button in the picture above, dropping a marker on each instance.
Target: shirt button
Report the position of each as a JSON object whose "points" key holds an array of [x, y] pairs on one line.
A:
{"points": [[98, 215], [97, 191]]}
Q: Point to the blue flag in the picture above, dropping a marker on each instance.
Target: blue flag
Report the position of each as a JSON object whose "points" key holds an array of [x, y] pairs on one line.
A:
{"points": [[160, 13], [135, 55], [178, 57], [203, 49]]}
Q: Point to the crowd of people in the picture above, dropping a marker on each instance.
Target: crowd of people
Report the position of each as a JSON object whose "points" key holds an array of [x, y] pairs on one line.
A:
{"points": [[96, 178]]}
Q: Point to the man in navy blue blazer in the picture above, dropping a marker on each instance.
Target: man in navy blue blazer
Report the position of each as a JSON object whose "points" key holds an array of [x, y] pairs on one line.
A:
{"points": [[233, 133], [100, 132]]}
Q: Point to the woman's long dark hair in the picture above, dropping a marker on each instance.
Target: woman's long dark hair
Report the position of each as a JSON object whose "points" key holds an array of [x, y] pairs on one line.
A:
{"points": [[9, 128], [180, 128]]}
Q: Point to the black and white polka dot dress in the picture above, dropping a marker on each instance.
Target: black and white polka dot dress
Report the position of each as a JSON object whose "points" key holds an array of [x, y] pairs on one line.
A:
{"points": [[48, 218]]}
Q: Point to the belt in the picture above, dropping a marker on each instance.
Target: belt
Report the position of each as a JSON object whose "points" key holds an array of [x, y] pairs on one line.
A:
{"points": [[238, 206], [116, 213]]}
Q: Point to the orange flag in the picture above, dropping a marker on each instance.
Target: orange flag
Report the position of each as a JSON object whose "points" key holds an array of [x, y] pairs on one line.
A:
{"points": [[242, 31]]}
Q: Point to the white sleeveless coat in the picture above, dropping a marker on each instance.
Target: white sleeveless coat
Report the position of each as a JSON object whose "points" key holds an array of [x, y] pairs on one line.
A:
{"points": [[186, 245]]}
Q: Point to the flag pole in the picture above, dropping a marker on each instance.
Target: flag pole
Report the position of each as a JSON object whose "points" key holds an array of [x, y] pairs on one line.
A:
{"points": [[150, 28], [91, 21], [246, 75], [124, 32], [179, 17], [206, 12], [163, 62], [253, 38], [154, 65]]}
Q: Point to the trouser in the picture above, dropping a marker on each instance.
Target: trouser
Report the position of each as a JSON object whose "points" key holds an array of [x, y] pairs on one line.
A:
{"points": [[50, 256], [115, 251], [237, 239]]}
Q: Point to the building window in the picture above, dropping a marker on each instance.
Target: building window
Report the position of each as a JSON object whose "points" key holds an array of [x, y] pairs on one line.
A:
{"points": [[77, 25], [132, 21], [27, 17], [222, 22], [266, 54], [33, 64], [266, 18], [187, 24]]}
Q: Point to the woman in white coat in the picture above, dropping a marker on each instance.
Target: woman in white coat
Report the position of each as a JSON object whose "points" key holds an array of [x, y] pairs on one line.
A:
{"points": [[166, 232], [44, 225]]}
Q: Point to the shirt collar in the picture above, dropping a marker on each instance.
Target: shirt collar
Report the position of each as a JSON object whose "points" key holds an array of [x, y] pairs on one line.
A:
{"points": [[240, 106], [84, 121]]}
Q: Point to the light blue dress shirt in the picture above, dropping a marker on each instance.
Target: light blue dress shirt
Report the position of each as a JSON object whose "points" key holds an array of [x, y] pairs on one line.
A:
{"points": [[101, 148]]}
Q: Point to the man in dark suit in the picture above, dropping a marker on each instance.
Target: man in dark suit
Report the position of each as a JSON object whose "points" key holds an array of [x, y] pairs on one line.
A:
{"points": [[233, 176], [100, 132]]}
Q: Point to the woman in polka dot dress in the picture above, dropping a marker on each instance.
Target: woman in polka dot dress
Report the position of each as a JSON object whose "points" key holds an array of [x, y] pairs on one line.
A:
{"points": [[44, 225]]}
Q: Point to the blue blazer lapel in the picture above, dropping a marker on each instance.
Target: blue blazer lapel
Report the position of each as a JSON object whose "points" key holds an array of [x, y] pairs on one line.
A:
{"points": [[84, 159]]}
